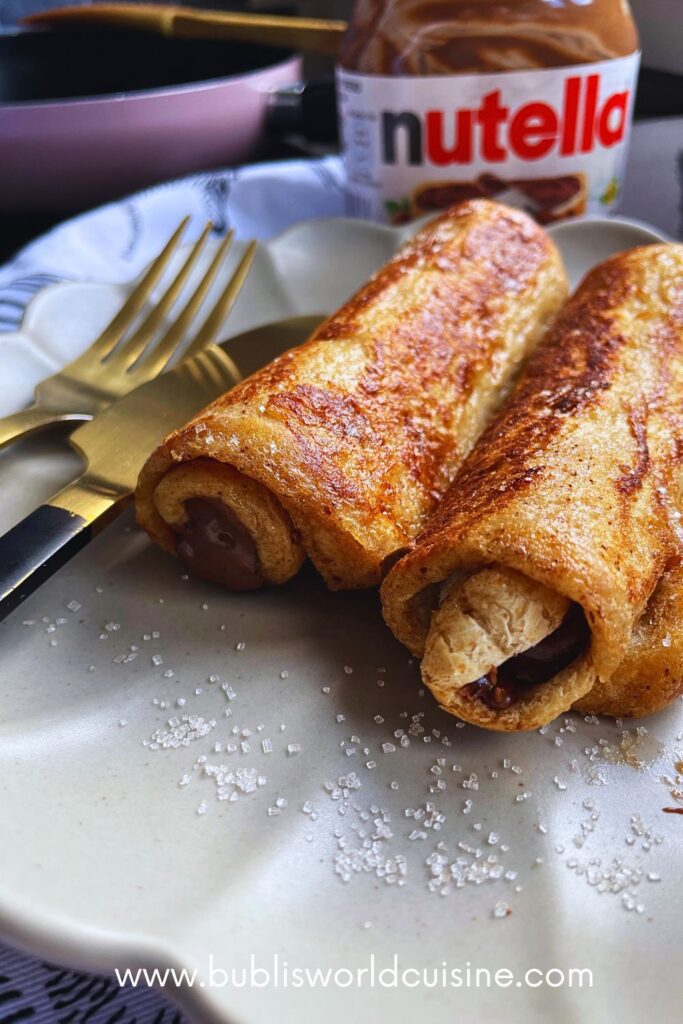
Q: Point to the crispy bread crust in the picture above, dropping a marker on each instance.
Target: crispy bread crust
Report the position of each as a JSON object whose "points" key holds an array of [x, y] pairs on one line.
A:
{"points": [[651, 674], [359, 431], [571, 484]]}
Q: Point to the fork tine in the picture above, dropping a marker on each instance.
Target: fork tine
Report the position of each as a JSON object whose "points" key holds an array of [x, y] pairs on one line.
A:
{"points": [[221, 366], [216, 318], [156, 359], [129, 352], [211, 369], [113, 333]]}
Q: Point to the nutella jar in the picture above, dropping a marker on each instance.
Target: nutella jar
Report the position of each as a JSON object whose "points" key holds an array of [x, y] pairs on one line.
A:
{"points": [[525, 101]]}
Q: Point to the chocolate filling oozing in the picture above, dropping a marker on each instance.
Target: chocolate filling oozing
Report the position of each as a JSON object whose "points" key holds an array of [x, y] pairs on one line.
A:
{"points": [[500, 687], [216, 546]]}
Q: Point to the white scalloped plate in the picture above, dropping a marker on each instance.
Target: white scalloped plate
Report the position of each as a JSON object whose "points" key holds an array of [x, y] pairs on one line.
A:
{"points": [[105, 861]]}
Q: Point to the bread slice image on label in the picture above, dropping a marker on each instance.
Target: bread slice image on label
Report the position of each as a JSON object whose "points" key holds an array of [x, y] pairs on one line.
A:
{"points": [[546, 199]]}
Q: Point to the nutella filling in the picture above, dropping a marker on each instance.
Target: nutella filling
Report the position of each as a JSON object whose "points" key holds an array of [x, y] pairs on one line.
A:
{"points": [[390, 560], [501, 686], [216, 546]]}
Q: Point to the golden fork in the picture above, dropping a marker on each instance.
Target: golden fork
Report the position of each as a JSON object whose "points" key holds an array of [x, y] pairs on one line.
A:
{"points": [[116, 363]]}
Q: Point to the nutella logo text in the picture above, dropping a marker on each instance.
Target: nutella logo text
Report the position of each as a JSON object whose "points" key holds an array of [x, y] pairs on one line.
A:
{"points": [[551, 141], [493, 130]]}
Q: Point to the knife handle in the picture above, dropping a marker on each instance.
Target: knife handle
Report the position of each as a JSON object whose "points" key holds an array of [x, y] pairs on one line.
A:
{"points": [[34, 549], [40, 544]]}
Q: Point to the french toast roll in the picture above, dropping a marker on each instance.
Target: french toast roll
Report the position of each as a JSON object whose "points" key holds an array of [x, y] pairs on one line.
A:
{"points": [[526, 591], [651, 673], [340, 448]]}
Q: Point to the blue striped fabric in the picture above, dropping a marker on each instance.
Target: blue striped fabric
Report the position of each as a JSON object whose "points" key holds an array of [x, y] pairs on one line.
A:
{"points": [[31, 990]]}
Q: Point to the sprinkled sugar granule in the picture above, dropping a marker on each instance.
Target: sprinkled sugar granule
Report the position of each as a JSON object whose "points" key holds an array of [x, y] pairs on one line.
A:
{"points": [[436, 831]]}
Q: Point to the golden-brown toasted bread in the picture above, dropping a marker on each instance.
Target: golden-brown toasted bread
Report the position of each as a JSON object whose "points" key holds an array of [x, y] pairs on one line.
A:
{"points": [[357, 433], [574, 484], [651, 674]]}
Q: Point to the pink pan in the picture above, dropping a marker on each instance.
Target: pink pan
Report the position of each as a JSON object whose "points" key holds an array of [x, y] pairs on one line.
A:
{"points": [[89, 115]]}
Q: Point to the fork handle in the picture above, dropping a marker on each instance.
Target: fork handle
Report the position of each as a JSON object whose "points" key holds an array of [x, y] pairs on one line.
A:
{"points": [[29, 421], [40, 544]]}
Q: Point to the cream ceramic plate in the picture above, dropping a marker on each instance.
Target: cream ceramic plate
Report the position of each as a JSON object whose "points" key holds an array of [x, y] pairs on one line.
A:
{"points": [[376, 825]]}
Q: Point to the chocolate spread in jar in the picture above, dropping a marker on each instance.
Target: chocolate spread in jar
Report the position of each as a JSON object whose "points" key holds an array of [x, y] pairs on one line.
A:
{"points": [[216, 546], [502, 686], [441, 100]]}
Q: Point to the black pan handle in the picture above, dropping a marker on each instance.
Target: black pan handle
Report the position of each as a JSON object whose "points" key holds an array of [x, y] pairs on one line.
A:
{"points": [[308, 109], [34, 549]]}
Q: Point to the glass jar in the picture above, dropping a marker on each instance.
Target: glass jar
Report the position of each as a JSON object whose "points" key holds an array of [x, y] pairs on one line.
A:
{"points": [[525, 101]]}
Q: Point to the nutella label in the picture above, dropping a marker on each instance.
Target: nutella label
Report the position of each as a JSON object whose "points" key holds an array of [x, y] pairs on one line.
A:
{"points": [[551, 141]]}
